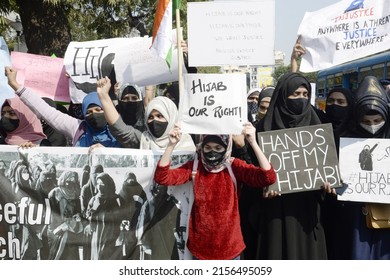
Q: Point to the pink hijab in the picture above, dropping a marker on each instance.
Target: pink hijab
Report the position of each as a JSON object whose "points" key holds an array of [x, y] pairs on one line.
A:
{"points": [[29, 129]]}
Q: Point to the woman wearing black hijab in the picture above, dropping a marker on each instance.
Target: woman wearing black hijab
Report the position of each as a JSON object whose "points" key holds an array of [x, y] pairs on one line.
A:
{"points": [[338, 112], [102, 212], [371, 99], [285, 111], [290, 224], [370, 120]]}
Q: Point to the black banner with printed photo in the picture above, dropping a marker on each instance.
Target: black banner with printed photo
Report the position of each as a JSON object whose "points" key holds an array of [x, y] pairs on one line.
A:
{"points": [[65, 204]]}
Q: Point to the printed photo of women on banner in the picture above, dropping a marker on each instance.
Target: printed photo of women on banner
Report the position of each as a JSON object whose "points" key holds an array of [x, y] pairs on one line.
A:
{"points": [[69, 204]]}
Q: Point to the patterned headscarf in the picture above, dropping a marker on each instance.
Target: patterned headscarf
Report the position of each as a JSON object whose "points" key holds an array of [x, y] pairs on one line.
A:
{"points": [[224, 138]]}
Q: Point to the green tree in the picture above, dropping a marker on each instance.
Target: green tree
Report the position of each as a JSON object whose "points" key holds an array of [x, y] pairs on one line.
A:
{"points": [[50, 25], [281, 70], [45, 26]]}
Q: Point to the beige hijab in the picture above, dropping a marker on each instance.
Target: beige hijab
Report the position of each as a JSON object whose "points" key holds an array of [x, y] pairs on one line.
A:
{"points": [[169, 110]]}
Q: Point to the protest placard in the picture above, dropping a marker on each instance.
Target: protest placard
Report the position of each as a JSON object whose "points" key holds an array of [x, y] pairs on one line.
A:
{"points": [[344, 31], [138, 64], [44, 75], [5, 60], [231, 33], [149, 223], [123, 60], [364, 167], [86, 62], [303, 158], [213, 104]]}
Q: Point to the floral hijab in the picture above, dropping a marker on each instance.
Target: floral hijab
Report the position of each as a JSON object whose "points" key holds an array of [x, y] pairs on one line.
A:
{"points": [[227, 140]]}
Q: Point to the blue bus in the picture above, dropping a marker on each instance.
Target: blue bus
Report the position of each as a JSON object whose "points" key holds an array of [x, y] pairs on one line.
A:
{"points": [[350, 74]]}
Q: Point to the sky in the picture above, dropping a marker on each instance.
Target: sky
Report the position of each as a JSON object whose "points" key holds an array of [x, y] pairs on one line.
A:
{"points": [[288, 17]]}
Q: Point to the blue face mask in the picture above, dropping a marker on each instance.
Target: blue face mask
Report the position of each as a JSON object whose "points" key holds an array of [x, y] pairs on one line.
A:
{"points": [[297, 105]]}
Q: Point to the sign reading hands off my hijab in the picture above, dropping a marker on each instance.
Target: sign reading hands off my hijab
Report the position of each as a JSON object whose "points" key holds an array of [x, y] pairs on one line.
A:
{"points": [[303, 158]]}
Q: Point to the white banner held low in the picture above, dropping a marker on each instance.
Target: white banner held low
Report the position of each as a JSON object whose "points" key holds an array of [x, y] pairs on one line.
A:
{"points": [[213, 104], [140, 220], [364, 167], [231, 33], [343, 32]]}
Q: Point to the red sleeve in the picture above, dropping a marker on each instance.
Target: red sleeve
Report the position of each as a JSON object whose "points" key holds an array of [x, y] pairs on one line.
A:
{"points": [[167, 176], [253, 176]]}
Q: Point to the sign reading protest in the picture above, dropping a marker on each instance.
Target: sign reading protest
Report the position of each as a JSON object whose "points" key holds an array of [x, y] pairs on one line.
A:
{"points": [[213, 104], [303, 158], [364, 167], [44, 75], [231, 33], [344, 31]]}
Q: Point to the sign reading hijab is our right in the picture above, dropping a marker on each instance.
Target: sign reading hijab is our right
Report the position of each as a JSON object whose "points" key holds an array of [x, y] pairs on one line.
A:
{"points": [[213, 104], [303, 158]]}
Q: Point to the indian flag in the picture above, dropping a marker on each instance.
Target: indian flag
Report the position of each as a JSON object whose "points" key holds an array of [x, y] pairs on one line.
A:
{"points": [[162, 29]]}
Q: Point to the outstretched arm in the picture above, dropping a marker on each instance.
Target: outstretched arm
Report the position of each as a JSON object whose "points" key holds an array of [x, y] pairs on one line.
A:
{"points": [[127, 135], [62, 122], [149, 94], [297, 52], [110, 112], [174, 138], [249, 132]]}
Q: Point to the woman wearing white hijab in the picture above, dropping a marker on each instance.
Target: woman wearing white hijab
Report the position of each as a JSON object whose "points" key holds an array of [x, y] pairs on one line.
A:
{"points": [[160, 118]]}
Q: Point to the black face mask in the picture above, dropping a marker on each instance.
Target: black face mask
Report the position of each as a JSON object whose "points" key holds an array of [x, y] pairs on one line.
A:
{"points": [[297, 105], [157, 128], [213, 158], [96, 120], [131, 112], [336, 113], [8, 125]]}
